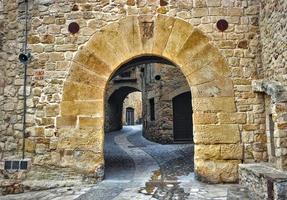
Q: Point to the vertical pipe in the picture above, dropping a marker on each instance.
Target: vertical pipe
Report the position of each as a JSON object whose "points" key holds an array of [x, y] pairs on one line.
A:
{"points": [[25, 79]]}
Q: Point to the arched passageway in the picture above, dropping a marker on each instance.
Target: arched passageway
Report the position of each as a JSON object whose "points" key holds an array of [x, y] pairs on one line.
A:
{"points": [[82, 106], [114, 108]]}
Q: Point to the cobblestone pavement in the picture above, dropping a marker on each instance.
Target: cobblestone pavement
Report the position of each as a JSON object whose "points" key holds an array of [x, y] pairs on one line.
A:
{"points": [[137, 169]]}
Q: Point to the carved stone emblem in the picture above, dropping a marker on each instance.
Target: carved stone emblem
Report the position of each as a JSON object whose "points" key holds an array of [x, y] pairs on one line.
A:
{"points": [[147, 28]]}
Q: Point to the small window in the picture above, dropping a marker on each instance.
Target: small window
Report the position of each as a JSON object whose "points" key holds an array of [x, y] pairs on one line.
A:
{"points": [[271, 135], [151, 107], [125, 74]]}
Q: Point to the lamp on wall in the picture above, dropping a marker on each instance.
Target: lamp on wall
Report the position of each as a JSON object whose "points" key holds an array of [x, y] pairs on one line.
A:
{"points": [[24, 58]]}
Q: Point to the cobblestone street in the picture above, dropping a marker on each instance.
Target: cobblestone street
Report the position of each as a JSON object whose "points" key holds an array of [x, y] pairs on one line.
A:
{"points": [[138, 169]]}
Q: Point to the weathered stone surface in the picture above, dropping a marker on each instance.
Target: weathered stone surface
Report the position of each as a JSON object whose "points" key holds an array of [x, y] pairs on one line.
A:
{"points": [[217, 171], [216, 134], [177, 38], [231, 152], [163, 28], [251, 48], [30, 146], [67, 121], [52, 110], [78, 91], [207, 152], [204, 118], [73, 108], [232, 118], [226, 104], [90, 61], [80, 139], [221, 87], [91, 122], [82, 75]]}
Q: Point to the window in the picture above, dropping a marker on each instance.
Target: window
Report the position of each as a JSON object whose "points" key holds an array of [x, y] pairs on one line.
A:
{"points": [[151, 107], [271, 135], [125, 74]]}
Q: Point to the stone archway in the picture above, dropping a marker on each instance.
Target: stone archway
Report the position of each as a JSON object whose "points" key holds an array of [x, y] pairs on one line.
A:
{"points": [[114, 107], [82, 109]]}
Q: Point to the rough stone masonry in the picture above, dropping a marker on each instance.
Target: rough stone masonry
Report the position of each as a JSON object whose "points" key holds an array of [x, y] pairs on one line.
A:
{"points": [[68, 73]]}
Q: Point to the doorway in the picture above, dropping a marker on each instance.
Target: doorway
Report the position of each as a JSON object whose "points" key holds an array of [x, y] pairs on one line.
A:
{"points": [[130, 116], [182, 117]]}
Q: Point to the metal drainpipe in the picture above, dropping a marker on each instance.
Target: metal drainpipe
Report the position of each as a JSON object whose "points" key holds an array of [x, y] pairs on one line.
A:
{"points": [[25, 79]]}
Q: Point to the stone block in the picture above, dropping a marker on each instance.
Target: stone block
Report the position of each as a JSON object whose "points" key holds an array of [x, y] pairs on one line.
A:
{"points": [[38, 132], [216, 134], [55, 56], [67, 121], [146, 23], [52, 110], [204, 118], [30, 146], [163, 28], [84, 138], [232, 118], [234, 11], [129, 28], [86, 122], [195, 43], [202, 75], [231, 152], [92, 62], [207, 152], [82, 75], [47, 39], [73, 108], [66, 47], [221, 87], [214, 104], [217, 11], [250, 127], [180, 32], [199, 12], [78, 91], [217, 171]]}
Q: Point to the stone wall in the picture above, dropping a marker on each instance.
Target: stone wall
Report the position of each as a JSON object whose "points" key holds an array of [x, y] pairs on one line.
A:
{"points": [[273, 20], [133, 100], [118, 88], [66, 82], [162, 91], [273, 38]]}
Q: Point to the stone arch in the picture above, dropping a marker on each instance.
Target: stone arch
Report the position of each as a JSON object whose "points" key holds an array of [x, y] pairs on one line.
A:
{"points": [[114, 106], [173, 39]]}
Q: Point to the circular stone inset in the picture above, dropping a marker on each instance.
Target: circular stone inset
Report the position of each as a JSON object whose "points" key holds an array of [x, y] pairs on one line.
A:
{"points": [[222, 25], [74, 27]]}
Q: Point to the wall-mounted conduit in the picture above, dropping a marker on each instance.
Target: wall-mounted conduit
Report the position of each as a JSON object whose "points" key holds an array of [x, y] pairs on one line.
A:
{"points": [[25, 78]]}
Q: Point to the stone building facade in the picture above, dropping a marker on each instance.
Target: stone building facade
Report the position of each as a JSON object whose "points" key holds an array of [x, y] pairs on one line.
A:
{"points": [[132, 102], [237, 77], [118, 89], [160, 84]]}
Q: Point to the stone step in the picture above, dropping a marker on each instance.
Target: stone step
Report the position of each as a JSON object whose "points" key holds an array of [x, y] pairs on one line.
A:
{"points": [[238, 193]]}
